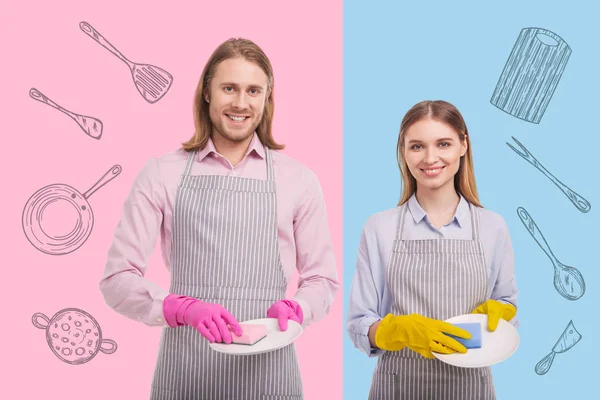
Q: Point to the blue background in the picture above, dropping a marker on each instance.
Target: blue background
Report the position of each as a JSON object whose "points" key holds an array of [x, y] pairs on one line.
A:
{"points": [[396, 55]]}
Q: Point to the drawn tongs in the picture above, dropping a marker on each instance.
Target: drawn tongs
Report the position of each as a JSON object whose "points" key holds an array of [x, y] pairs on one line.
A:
{"points": [[582, 204]]}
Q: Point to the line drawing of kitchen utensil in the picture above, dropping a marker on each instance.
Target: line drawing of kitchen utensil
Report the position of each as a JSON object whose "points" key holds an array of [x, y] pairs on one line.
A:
{"points": [[40, 233], [568, 281], [578, 201], [152, 82], [531, 74], [73, 335], [569, 338], [92, 127]]}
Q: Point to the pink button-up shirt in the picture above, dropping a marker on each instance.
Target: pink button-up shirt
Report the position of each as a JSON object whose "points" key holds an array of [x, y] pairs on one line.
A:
{"points": [[303, 232]]}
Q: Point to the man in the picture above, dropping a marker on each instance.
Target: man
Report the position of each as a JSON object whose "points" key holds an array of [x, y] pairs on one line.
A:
{"points": [[235, 218]]}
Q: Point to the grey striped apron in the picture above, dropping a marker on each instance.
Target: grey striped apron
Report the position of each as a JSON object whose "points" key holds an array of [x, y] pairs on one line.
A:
{"points": [[226, 251], [440, 279]]}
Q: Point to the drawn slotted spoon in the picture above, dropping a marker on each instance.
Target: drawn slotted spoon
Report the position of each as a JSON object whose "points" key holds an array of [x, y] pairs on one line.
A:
{"points": [[151, 81]]}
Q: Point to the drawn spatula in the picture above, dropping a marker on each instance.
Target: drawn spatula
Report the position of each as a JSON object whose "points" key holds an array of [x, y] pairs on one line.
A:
{"points": [[90, 125], [151, 81]]}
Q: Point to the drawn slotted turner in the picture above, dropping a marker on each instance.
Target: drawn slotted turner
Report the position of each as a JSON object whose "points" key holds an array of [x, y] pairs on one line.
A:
{"points": [[151, 81]]}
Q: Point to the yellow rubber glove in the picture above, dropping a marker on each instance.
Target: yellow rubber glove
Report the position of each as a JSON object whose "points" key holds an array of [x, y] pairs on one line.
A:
{"points": [[496, 310], [420, 334]]}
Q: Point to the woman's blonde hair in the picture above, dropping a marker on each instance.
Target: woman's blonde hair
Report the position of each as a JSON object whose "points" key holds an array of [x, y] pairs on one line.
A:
{"points": [[444, 112], [232, 48]]}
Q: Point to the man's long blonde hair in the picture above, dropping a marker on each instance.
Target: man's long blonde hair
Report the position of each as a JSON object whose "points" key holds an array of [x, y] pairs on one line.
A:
{"points": [[441, 111], [232, 48]]}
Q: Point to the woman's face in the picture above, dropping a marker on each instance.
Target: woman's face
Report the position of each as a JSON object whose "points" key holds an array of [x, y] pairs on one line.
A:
{"points": [[432, 151]]}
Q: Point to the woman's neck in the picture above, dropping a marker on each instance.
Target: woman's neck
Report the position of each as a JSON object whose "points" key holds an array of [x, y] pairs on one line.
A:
{"points": [[438, 202]]}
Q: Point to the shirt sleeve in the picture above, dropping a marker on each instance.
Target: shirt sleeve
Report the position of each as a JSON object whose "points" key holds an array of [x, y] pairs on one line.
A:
{"points": [[366, 294], [315, 257], [123, 285], [505, 286]]}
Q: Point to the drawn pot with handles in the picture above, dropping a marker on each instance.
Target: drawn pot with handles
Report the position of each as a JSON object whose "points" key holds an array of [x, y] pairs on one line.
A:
{"points": [[73, 335]]}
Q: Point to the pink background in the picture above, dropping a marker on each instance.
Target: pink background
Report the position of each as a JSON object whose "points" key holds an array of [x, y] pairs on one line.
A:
{"points": [[43, 47]]}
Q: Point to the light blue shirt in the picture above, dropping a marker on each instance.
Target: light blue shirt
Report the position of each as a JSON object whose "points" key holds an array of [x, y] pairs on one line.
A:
{"points": [[370, 298]]}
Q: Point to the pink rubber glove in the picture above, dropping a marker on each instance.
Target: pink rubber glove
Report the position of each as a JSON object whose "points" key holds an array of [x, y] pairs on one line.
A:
{"points": [[208, 318], [285, 310]]}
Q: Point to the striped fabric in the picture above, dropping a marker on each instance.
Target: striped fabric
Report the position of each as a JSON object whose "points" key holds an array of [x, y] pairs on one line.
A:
{"points": [[440, 279], [226, 251]]}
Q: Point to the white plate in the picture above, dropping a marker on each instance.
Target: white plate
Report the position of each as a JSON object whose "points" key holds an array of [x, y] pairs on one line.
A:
{"points": [[274, 340], [496, 346]]}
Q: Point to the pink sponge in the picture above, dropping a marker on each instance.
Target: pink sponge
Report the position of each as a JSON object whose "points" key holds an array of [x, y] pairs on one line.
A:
{"points": [[251, 334]]}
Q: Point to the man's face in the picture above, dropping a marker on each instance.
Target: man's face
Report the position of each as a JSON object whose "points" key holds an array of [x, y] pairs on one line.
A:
{"points": [[236, 99]]}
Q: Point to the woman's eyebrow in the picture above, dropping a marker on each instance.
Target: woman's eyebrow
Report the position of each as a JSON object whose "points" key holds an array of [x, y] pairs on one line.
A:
{"points": [[437, 140]]}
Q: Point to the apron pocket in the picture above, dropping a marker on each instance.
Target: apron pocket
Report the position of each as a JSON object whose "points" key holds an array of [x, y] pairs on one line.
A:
{"points": [[384, 387], [159, 393], [485, 385]]}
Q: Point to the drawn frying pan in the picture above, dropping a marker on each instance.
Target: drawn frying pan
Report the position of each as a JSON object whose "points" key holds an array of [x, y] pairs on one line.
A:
{"points": [[58, 219]]}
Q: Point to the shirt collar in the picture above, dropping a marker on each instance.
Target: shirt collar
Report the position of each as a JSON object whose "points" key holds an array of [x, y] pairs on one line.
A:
{"points": [[255, 147], [417, 212], [462, 211]]}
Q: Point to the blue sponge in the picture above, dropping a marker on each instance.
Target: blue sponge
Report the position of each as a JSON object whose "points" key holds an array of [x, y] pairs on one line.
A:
{"points": [[475, 329]]}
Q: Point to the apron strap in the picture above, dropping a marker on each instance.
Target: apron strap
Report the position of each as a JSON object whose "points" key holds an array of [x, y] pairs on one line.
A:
{"points": [[190, 160], [474, 221], [270, 170], [402, 210]]}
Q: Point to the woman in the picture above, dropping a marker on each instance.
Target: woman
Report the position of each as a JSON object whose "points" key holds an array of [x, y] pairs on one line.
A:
{"points": [[437, 255]]}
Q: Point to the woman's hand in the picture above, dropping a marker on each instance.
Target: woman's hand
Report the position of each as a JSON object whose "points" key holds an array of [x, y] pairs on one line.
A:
{"points": [[496, 310], [421, 334]]}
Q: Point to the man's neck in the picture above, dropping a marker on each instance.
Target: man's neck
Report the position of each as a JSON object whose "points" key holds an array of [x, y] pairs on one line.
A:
{"points": [[234, 152]]}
